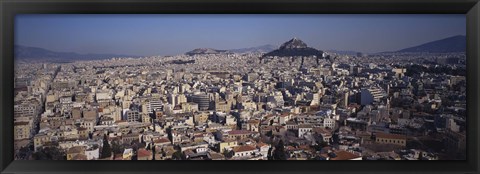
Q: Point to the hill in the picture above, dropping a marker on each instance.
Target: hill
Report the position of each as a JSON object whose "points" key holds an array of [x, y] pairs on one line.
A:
{"points": [[450, 44], [294, 47], [258, 49], [40, 54], [205, 51]]}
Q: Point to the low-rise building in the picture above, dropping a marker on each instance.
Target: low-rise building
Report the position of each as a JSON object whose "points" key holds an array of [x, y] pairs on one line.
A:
{"points": [[76, 150], [396, 139], [244, 151]]}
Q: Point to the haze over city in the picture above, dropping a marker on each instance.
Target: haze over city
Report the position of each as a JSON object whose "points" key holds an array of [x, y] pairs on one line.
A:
{"points": [[173, 34]]}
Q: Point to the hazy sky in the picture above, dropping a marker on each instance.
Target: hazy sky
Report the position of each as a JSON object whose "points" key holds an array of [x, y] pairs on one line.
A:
{"points": [[162, 34]]}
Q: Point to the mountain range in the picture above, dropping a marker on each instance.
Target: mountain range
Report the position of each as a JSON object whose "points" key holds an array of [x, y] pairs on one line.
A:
{"points": [[292, 47], [39, 54], [343, 52], [451, 44], [259, 49], [205, 51]]}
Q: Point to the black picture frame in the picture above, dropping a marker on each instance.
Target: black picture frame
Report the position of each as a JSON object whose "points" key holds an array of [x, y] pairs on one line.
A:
{"points": [[9, 8]]}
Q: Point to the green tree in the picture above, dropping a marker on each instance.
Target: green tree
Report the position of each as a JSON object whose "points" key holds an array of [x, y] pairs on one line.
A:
{"points": [[106, 149], [49, 153], [420, 156], [269, 154], [153, 150], [169, 134], [269, 133], [178, 155], [149, 147], [279, 152], [228, 153], [319, 145], [117, 147], [23, 153]]}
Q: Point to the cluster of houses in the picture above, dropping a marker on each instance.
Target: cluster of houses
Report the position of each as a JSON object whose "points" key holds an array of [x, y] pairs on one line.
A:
{"points": [[213, 109]]}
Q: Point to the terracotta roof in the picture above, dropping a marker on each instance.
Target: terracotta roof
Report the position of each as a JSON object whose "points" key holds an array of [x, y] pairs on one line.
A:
{"points": [[303, 147], [243, 148], [236, 132], [320, 130], [290, 148], [390, 136], [344, 155], [143, 153]]}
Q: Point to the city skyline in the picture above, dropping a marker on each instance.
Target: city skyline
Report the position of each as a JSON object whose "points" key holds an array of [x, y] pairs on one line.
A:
{"points": [[298, 101], [147, 35]]}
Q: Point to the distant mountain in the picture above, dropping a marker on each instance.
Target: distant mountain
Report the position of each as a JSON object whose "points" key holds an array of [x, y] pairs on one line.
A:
{"points": [[205, 51], [342, 52], [451, 44], [293, 44], [259, 49], [40, 54], [294, 47]]}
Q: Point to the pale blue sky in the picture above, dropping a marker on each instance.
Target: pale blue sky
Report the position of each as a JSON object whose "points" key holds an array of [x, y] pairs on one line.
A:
{"points": [[170, 34]]}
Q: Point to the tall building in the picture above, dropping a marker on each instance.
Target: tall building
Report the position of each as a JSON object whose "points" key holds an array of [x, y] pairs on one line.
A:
{"points": [[180, 98], [370, 95], [133, 116], [22, 130], [345, 100], [455, 142], [155, 104], [25, 110], [172, 99], [146, 108], [202, 100], [176, 99], [314, 97]]}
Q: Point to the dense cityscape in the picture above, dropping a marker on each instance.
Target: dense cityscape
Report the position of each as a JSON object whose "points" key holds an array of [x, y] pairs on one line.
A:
{"points": [[294, 103]]}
